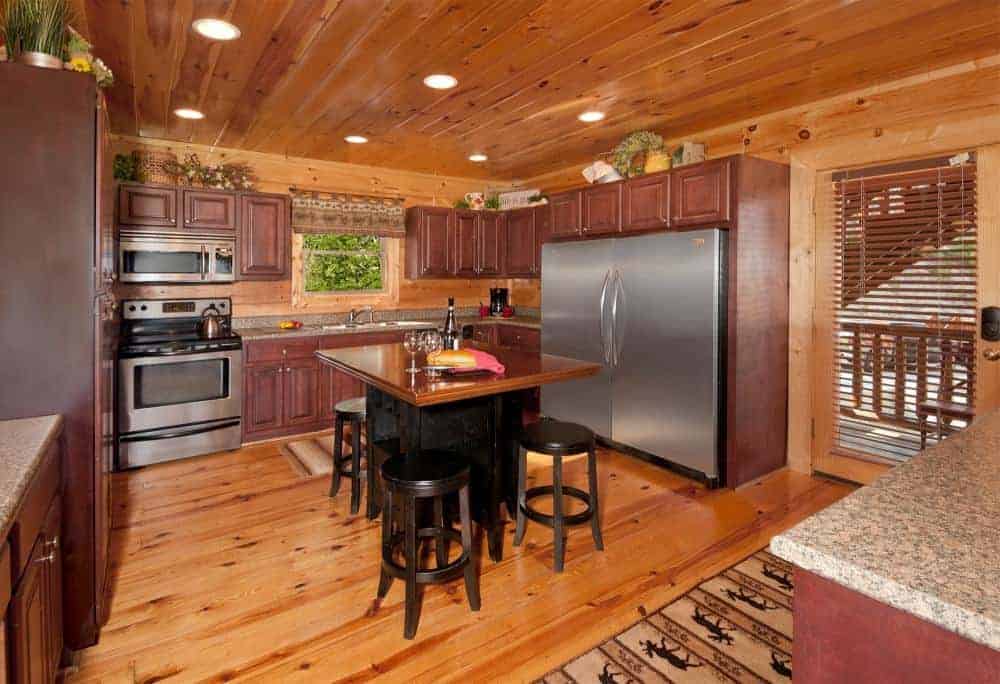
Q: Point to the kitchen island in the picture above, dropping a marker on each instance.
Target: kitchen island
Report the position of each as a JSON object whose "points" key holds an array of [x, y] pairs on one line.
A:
{"points": [[901, 580], [476, 416]]}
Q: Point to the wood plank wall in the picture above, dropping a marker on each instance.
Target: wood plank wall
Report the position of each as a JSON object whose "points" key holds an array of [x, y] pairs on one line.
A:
{"points": [[276, 173]]}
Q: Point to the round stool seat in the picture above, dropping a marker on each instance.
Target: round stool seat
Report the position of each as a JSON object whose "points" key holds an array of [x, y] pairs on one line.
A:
{"points": [[553, 436], [353, 406], [435, 470]]}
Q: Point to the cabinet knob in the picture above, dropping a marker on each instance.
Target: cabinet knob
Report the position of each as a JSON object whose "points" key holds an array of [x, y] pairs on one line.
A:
{"points": [[46, 559]]}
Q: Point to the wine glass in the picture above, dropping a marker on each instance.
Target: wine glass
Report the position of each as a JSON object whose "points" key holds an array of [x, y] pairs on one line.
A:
{"points": [[412, 344], [432, 343]]}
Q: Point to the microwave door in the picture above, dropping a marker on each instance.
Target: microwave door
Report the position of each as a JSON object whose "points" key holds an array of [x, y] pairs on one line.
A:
{"points": [[220, 263], [162, 262]]}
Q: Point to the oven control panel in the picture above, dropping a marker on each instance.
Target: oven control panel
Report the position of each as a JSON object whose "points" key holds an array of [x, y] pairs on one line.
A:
{"points": [[144, 309]]}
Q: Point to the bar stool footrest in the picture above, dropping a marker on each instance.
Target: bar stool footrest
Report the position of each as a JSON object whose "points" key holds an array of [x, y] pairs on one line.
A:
{"points": [[436, 575], [548, 490]]}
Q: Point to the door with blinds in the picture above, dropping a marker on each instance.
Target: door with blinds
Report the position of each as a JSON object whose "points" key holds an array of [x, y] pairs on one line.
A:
{"points": [[902, 305]]}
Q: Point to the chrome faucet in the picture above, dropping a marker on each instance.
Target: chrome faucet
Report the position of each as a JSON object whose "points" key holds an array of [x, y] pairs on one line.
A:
{"points": [[352, 318]]}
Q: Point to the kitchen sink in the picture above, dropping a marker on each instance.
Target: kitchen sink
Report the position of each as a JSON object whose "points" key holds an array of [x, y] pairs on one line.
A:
{"points": [[380, 325]]}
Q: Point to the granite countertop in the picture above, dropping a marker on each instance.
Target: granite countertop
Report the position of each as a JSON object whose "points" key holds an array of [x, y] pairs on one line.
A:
{"points": [[309, 329], [923, 538], [23, 442]]}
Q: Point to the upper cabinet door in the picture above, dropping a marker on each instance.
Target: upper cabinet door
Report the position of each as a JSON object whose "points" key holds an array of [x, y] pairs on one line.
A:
{"points": [[466, 242], [208, 210], [522, 243], [700, 193], [646, 203], [264, 237], [147, 205], [492, 238], [434, 235], [564, 212], [602, 209]]}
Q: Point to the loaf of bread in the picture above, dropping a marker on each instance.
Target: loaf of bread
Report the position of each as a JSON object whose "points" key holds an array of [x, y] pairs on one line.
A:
{"points": [[456, 358]]}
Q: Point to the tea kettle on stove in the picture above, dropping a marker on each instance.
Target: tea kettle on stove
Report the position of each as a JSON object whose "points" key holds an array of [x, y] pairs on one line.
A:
{"points": [[211, 323]]}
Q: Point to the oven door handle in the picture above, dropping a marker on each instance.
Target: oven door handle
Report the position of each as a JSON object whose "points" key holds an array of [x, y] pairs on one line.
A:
{"points": [[181, 433]]}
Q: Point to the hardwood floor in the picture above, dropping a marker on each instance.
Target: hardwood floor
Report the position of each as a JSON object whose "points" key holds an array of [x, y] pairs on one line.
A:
{"points": [[232, 567]]}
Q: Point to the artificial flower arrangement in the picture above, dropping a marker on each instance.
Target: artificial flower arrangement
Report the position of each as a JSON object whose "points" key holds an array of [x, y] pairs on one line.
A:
{"points": [[221, 176], [81, 59]]}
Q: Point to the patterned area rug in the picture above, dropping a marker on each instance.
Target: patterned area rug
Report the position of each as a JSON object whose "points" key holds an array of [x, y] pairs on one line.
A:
{"points": [[736, 626]]}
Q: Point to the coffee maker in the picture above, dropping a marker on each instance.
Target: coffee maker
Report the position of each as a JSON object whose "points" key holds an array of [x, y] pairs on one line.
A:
{"points": [[498, 300]]}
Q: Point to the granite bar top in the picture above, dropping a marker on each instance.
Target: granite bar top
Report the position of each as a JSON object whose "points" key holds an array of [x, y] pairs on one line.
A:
{"points": [[23, 442], [923, 538], [308, 329]]}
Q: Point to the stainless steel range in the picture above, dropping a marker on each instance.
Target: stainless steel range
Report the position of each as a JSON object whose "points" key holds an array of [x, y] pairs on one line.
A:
{"points": [[179, 391]]}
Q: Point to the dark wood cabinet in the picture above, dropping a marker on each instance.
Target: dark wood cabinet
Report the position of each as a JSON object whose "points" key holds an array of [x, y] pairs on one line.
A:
{"points": [[301, 390], [147, 205], [564, 214], [491, 240], [429, 242], [522, 248], [264, 240], [646, 203], [466, 248], [601, 209], [208, 210], [518, 337], [484, 334], [105, 245], [263, 397], [34, 616], [700, 193], [288, 390], [106, 327]]}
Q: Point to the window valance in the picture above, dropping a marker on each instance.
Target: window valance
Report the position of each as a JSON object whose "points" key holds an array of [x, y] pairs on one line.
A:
{"points": [[341, 212]]}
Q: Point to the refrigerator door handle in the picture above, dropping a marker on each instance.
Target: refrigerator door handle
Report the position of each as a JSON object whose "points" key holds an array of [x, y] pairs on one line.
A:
{"points": [[618, 338], [606, 350]]}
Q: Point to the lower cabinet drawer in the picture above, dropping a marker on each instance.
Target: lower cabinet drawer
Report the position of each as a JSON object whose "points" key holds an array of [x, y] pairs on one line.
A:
{"points": [[519, 337], [262, 351]]}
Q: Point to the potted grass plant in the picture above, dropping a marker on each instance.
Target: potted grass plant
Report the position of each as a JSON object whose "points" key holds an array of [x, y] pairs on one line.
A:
{"points": [[35, 32]]}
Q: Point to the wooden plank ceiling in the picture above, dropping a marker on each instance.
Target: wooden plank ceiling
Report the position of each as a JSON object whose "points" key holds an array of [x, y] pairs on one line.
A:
{"points": [[305, 73]]}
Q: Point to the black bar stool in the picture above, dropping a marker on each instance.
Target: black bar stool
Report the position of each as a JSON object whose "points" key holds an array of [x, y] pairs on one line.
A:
{"points": [[557, 439], [405, 481], [353, 411]]}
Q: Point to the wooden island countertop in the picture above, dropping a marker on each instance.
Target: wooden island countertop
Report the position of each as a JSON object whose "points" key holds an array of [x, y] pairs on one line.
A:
{"points": [[384, 366]]}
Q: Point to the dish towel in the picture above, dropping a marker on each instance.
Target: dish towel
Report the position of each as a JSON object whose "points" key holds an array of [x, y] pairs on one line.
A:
{"points": [[484, 361]]}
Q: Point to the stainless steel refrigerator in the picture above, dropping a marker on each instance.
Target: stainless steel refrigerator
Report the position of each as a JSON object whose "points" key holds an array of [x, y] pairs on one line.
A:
{"points": [[652, 311]]}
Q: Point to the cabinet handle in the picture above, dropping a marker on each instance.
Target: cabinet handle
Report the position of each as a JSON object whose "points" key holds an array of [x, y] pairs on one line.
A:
{"points": [[46, 559], [54, 543], [280, 369]]}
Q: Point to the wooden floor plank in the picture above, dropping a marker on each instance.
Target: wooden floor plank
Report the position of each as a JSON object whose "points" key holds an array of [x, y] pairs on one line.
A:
{"points": [[233, 567]]}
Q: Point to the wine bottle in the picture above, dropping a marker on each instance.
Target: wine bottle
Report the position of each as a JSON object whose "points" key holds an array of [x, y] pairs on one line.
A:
{"points": [[451, 335]]}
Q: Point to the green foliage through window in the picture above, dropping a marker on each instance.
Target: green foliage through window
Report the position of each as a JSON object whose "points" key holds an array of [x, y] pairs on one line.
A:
{"points": [[343, 263]]}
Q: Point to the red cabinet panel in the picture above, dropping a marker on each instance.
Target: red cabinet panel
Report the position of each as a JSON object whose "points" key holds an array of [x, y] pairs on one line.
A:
{"points": [[147, 205], [466, 247], [264, 237], [564, 214], [602, 209], [646, 204], [701, 193], [210, 211], [491, 239]]}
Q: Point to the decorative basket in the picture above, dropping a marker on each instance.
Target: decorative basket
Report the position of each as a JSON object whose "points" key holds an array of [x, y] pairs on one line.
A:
{"points": [[157, 166]]}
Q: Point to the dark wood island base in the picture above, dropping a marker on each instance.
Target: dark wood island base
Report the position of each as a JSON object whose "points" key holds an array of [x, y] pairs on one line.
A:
{"points": [[844, 636]]}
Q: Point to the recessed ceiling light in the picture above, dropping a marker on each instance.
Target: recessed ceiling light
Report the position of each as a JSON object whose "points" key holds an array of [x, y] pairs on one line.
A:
{"points": [[216, 29], [356, 139], [478, 157], [189, 113], [591, 117], [440, 81]]}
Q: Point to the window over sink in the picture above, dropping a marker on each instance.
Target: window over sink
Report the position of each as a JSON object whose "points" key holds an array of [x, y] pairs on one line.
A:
{"points": [[336, 263]]}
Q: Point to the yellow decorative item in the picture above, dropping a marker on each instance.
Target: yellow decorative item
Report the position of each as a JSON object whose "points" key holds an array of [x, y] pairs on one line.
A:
{"points": [[657, 161], [81, 64]]}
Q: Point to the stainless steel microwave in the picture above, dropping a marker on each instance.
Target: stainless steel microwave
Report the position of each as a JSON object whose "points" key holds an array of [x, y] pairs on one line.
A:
{"points": [[171, 258]]}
